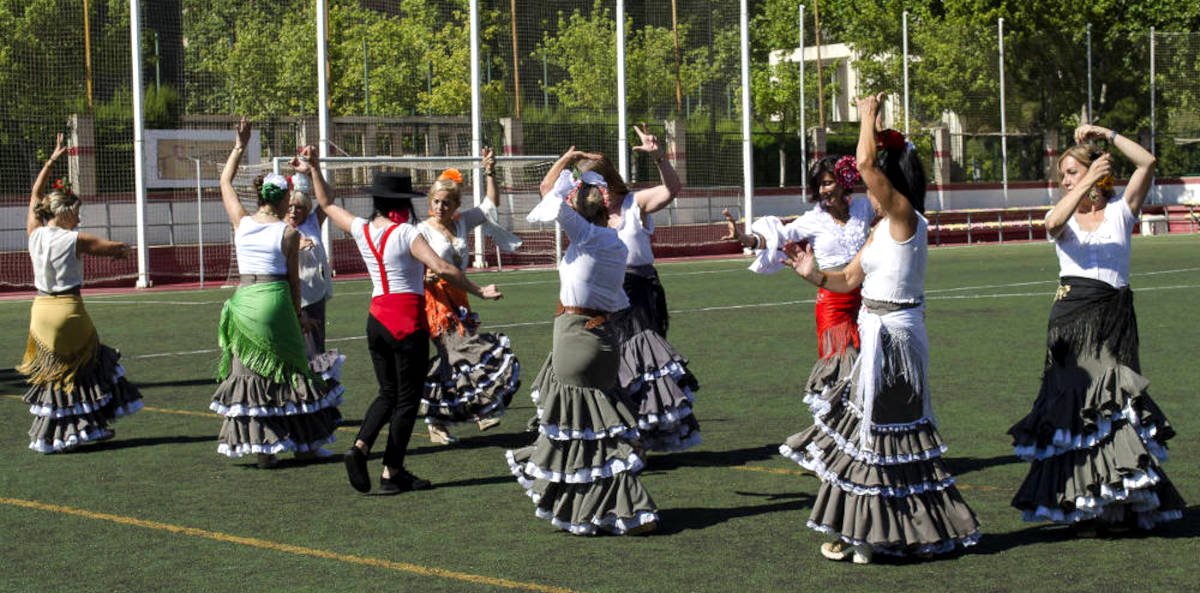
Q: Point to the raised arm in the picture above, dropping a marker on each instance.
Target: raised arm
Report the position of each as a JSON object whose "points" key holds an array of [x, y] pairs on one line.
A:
{"points": [[93, 245], [897, 207], [309, 163], [751, 241], [567, 159], [229, 197], [32, 221], [1056, 219], [489, 172], [1142, 159], [660, 196], [425, 254], [805, 264]]}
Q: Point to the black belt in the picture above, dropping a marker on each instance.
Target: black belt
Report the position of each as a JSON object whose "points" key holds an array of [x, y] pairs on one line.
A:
{"points": [[247, 279], [73, 290]]}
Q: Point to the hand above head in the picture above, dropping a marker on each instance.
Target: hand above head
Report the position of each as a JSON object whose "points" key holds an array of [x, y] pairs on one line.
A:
{"points": [[491, 293], [1099, 169], [649, 142], [733, 233], [489, 160], [1089, 132], [243, 132], [868, 107], [59, 147], [306, 159]]}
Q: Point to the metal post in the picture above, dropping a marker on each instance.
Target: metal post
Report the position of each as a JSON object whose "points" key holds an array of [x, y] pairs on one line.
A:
{"points": [[476, 127], [157, 69], [747, 146], [139, 131], [803, 131], [1153, 184], [322, 18], [199, 221], [905, 33], [545, 83], [1089, 72], [622, 140], [366, 80], [1003, 119]]}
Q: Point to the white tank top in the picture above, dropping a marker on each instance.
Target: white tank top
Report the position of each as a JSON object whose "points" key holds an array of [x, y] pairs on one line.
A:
{"points": [[56, 267], [895, 271], [260, 247], [634, 234]]}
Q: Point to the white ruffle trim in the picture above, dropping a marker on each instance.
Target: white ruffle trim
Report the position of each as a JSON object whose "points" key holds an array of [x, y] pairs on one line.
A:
{"points": [[552, 431], [610, 523], [334, 372], [587, 475], [669, 419], [470, 395], [81, 408], [59, 445], [672, 369], [818, 467], [1065, 441], [938, 548], [868, 457], [274, 448], [332, 399], [1133, 492]]}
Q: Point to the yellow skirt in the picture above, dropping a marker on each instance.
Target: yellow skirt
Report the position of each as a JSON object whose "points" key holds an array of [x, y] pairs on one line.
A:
{"points": [[62, 340]]}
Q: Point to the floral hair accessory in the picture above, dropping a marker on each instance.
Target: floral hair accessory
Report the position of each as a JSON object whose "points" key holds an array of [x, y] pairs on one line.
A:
{"points": [[890, 139], [589, 178], [846, 172], [274, 188], [452, 174], [1106, 184], [62, 184], [300, 182]]}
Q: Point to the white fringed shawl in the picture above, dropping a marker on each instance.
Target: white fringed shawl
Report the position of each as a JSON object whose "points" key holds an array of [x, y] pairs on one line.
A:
{"points": [[907, 357]]}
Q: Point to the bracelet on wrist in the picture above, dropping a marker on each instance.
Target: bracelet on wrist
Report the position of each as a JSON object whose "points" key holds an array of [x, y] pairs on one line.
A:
{"points": [[1112, 136], [824, 278]]}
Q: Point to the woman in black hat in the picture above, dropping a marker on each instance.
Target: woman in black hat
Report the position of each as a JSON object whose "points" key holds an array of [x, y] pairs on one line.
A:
{"points": [[396, 256]]}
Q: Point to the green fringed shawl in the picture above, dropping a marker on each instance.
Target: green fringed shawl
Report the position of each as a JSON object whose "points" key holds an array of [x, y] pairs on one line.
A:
{"points": [[259, 326]]}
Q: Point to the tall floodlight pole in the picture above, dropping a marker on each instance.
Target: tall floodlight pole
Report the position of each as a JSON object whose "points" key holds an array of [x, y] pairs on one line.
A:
{"points": [[87, 52], [803, 131], [1003, 119], [1152, 100], [199, 221], [512, 5], [622, 140], [322, 18], [675, 32], [905, 33], [747, 146], [139, 131], [1089, 66], [820, 79], [476, 127]]}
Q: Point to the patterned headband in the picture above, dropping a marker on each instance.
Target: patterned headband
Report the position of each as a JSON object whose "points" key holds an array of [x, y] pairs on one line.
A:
{"points": [[589, 178], [845, 171]]}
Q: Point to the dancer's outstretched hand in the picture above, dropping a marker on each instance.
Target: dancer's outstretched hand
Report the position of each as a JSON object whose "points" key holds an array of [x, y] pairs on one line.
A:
{"points": [[649, 142], [489, 160], [305, 160], [60, 148], [243, 132], [491, 293], [1089, 132], [800, 257], [731, 222], [868, 107]]}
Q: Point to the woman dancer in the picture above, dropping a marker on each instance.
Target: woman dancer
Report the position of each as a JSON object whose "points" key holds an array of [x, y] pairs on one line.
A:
{"points": [[580, 472], [1094, 436], [837, 228], [474, 375], [874, 442], [395, 254], [654, 377], [77, 385], [316, 277], [271, 400]]}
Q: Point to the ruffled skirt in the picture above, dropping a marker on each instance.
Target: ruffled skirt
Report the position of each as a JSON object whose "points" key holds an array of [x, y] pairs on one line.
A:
{"points": [[654, 377], [581, 470], [471, 378], [77, 385], [885, 484], [1095, 438]]}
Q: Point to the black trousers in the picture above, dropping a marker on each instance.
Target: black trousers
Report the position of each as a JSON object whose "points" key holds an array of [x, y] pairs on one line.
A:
{"points": [[400, 368]]}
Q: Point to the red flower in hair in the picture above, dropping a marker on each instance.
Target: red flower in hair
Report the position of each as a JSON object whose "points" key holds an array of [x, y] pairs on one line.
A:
{"points": [[59, 183], [890, 139], [846, 172]]}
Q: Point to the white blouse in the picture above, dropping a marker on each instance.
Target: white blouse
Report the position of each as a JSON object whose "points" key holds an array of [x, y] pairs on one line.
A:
{"points": [[405, 273], [895, 270], [1102, 254], [634, 234], [56, 266], [458, 251], [592, 270], [260, 247], [834, 245]]}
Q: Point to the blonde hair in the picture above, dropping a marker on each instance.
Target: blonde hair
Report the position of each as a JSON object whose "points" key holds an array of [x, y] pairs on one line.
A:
{"points": [[450, 186], [57, 203], [589, 203], [1084, 154], [299, 198], [603, 166]]}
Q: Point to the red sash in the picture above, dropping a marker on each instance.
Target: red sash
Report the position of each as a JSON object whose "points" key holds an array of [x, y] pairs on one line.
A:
{"points": [[400, 312], [837, 321]]}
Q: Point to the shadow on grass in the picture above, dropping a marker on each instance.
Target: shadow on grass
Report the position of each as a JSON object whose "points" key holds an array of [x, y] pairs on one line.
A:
{"points": [[12, 382], [993, 543], [965, 465], [478, 440], [119, 443], [676, 520], [179, 383], [732, 457]]}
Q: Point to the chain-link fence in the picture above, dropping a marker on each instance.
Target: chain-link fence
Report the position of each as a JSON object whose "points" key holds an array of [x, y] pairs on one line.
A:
{"points": [[399, 85]]}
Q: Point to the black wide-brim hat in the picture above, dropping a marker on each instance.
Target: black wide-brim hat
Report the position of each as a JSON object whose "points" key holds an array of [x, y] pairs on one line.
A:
{"points": [[392, 185]]}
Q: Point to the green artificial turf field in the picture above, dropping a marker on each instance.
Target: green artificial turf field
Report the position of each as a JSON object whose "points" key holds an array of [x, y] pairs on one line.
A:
{"points": [[157, 509]]}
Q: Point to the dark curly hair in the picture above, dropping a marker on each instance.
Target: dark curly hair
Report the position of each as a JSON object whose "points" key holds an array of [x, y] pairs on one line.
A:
{"points": [[903, 169], [816, 171]]}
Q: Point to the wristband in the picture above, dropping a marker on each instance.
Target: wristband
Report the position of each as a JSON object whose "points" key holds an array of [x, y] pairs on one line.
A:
{"points": [[1112, 136]]}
